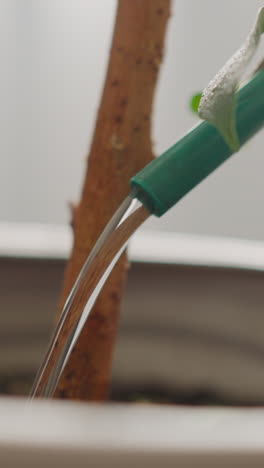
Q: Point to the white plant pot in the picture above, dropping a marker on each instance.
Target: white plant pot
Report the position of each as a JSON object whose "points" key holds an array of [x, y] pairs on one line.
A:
{"points": [[48, 434]]}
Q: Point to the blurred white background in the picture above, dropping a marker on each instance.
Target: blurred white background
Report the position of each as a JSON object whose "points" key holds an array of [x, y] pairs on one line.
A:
{"points": [[53, 59]]}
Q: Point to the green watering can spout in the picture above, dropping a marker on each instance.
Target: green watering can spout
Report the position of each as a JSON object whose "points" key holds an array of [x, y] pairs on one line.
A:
{"points": [[164, 181]]}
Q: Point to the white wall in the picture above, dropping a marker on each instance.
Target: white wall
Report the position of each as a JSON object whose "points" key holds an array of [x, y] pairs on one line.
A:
{"points": [[53, 56]]}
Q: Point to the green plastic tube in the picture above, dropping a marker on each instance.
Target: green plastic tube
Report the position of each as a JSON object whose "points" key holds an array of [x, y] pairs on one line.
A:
{"points": [[168, 178]]}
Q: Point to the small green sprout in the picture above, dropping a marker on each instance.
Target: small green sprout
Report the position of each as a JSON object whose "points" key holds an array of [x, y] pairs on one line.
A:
{"points": [[195, 102]]}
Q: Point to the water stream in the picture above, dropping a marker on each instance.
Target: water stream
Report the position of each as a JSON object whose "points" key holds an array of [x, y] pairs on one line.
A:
{"points": [[99, 264]]}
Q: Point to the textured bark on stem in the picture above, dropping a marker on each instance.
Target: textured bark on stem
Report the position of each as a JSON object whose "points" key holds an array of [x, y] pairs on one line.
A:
{"points": [[121, 146]]}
